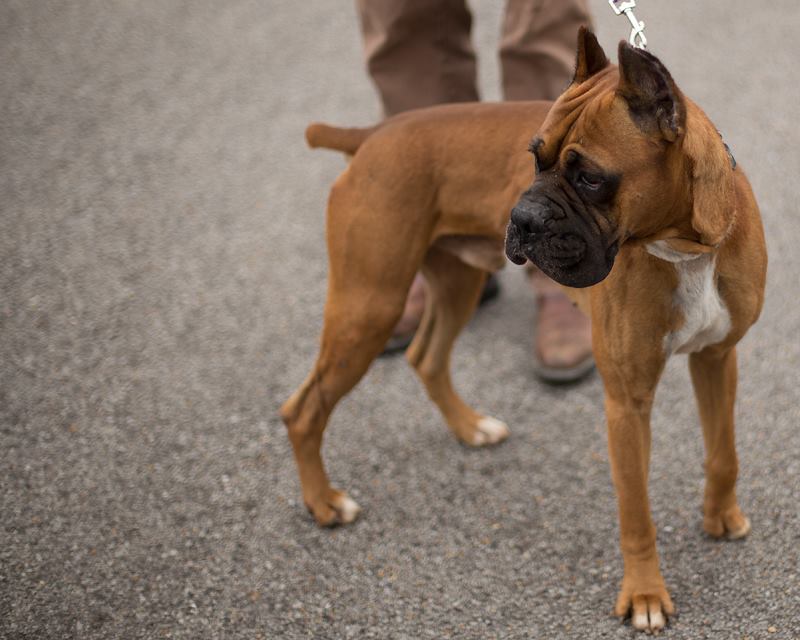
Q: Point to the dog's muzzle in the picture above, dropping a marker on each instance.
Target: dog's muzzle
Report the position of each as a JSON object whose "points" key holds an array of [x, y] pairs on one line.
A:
{"points": [[562, 246]]}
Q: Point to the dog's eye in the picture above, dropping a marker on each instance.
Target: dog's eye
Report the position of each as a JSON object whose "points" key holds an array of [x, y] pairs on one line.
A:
{"points": [[590, 181]]}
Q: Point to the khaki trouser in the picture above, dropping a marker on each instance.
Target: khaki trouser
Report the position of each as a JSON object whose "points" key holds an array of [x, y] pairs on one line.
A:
{"points": [[419, 52]]}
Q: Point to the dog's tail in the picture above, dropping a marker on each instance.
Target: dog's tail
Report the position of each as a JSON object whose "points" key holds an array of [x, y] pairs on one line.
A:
{"points": [[337, 138]]}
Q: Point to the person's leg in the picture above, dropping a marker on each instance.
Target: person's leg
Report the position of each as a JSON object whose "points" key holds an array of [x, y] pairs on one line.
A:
{"points": [[537, 58], [418, 54], [562, 334], [537, 46]]}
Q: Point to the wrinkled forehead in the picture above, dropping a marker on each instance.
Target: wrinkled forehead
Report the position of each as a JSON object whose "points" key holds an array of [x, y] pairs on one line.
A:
{"points": [[566, 112]]}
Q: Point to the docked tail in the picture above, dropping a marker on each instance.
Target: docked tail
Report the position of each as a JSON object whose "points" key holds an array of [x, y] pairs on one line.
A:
{"points": [[339, 139]]}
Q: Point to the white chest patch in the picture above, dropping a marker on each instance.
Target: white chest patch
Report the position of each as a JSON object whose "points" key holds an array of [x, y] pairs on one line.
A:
{"points": [[705, 318]]}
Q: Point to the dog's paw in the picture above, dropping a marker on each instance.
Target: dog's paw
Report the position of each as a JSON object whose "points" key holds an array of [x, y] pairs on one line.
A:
{"points": [[334, 508], [648, 610], [731, 524], [489, 431]]}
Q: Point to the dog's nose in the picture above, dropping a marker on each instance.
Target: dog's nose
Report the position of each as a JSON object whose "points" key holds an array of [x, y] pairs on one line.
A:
{"points": [[528, 218]]}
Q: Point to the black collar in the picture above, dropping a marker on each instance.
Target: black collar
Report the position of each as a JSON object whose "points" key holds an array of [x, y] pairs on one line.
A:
{"points": [[728, 151]]}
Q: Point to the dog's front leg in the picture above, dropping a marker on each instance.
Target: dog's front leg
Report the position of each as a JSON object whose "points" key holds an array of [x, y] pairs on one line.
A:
{"points": [[714, 379], [630, 375], [630, 317], [643, 591]]}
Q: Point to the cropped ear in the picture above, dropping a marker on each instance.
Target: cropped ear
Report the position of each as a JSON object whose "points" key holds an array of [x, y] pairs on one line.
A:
{"points": [[655, 102], [712, 175], [591, 57]]}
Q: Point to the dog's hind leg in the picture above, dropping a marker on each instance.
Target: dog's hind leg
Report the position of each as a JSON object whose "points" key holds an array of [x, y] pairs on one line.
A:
{"points": [[354, 333], [714, 379], [369, 277], [453, 292]]}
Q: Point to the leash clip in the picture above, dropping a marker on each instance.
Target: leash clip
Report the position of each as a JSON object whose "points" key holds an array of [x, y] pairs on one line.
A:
{"points": [[637, 38]]}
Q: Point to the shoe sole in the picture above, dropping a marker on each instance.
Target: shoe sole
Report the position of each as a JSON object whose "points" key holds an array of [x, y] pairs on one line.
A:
{"points": [[562, 375]]}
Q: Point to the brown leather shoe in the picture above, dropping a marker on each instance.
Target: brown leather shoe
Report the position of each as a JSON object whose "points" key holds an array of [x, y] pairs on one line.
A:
{"points": [[562, 350]]}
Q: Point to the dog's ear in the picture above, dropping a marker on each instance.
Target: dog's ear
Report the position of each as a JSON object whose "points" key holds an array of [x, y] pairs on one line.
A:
{"points": [[655, 103], [712, 175], [591, 57]]}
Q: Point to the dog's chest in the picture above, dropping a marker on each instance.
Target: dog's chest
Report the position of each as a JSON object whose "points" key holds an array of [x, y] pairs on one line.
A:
{"points": [[706, 319]]}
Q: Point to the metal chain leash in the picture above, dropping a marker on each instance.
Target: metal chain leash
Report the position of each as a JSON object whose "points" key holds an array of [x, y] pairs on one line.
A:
{"points": [[637, 38]]}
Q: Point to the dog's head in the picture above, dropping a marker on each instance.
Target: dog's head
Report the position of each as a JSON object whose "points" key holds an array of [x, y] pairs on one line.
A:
{"points": [[613, 161]]}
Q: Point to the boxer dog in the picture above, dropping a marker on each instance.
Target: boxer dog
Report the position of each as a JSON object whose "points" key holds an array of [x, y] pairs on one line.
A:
{"points": [[632, 202]]}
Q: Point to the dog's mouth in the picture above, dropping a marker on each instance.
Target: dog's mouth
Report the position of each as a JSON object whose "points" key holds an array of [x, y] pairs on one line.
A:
{"points": [[514, 249], [568, 258], [565, 249]]}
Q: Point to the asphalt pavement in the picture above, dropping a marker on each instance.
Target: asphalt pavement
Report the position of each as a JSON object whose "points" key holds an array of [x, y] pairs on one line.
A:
{"points": [[162, 276]]}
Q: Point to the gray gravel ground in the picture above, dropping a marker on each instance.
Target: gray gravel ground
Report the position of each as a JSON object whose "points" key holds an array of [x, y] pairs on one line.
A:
{"points": [[162, 269]]}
